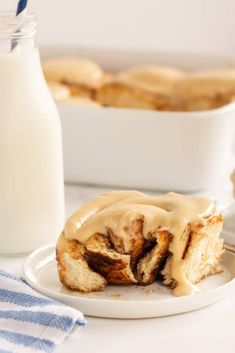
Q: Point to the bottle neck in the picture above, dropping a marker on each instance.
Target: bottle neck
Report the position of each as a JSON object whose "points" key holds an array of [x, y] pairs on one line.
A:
{"points": [[16, 32]]}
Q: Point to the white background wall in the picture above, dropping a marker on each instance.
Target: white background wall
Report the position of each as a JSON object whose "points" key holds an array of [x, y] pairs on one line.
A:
{"points": [[189, 25]]}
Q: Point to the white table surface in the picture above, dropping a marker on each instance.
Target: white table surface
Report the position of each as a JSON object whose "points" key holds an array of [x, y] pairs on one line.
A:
{"points": [[210, 330]]}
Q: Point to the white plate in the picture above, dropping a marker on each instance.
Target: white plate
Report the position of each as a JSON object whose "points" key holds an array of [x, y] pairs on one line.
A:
{"points": [[40, 272]]}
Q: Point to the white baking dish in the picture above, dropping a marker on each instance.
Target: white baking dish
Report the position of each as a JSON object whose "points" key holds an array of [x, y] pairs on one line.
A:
{"points": [[185, 152]]}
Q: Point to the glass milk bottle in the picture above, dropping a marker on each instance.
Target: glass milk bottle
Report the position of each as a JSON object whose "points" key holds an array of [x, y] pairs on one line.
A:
{"points": [[31, 168]]}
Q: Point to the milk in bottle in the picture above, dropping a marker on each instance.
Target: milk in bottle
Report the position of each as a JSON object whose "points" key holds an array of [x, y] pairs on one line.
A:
{"points": [[31, 170]]}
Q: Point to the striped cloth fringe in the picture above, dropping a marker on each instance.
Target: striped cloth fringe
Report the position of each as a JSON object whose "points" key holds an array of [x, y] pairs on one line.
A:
{"points": [[31, 322]]}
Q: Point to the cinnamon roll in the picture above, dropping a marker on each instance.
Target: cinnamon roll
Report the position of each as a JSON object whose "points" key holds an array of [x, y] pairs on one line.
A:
{"points": [[127, 237], [150, 87], [204, 90], [82, 76]]}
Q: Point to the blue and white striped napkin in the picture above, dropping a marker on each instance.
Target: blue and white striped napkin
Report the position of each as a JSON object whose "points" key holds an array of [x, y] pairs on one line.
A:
{"points": [[31, 322]]}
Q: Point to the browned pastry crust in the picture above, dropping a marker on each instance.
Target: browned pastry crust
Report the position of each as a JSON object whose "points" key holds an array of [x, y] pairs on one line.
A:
{"points": [[80, 90], [82, 76], [147, 87], [114, 267], [104, 256], [84, 90], [207, 89], [206, 102], [123, 95], [73, 268]]}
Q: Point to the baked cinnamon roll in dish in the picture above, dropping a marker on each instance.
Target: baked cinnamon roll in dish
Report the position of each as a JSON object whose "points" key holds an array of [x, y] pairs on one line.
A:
{"points": [[127, 237], [82, 76], [204, 90], [150, 87]]}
